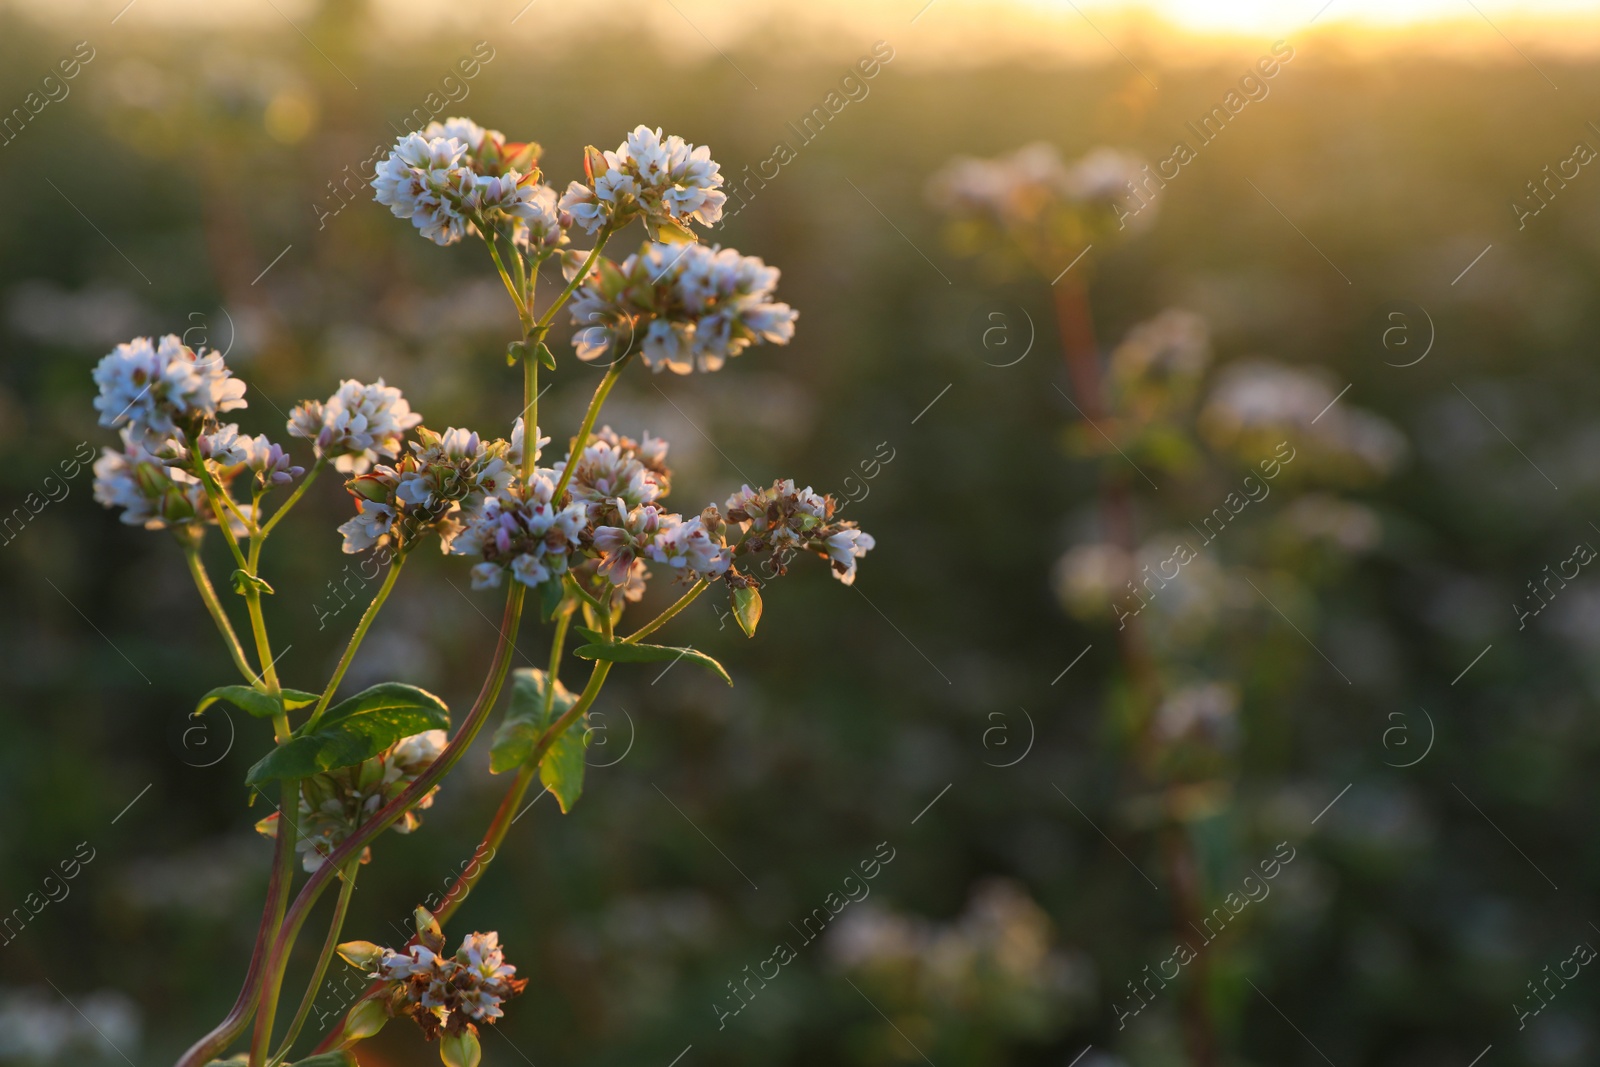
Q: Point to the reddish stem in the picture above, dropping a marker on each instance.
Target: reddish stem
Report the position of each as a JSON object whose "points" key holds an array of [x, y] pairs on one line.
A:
{"points": [[389, 813], [213, 1044]]}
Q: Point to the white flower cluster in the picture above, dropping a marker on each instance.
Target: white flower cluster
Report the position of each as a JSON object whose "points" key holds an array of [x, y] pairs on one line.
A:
{"points": [[355, 425], [162, 388], [697, 306], [613, 475], [664, 179], [1160, 363], [448, 994], [165, 398], [521, 530], [455, 177], [1020, 189], [227, 447], [334, 804]]}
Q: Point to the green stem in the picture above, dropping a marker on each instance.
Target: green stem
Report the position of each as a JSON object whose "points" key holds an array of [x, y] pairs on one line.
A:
{"points": [[202, 581], [530, 410], [580, 442], [505, 276], [355, 641], [577, 280], [294, 498], [334, 926], [214, 495], [656, 623]]}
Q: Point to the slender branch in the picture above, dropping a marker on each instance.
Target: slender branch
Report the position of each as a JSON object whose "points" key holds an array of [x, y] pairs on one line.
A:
{"points": [[288, 829], [355, 640], [660, 620], [505, 276], [579, 442], [212, 1045], [202, 581], [213, 495], [334, 926], [272, 976], [294, 498], [577, 280]]}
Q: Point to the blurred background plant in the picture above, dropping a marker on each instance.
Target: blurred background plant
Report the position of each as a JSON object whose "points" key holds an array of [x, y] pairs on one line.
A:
{"points": [[1405, 928]]}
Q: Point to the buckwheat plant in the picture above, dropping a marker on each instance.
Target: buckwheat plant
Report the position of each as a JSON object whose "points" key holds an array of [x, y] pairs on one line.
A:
{"points": [[573, 544]]}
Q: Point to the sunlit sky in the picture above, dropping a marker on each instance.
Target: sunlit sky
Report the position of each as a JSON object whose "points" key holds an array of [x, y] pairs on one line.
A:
{"points": [[975, 30]]}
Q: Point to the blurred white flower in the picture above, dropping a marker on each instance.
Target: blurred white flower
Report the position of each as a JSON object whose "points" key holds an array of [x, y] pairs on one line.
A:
{"points": [[1205, 710], [39, 1025], [1345, 525], [1256, 404], [151, 493]]}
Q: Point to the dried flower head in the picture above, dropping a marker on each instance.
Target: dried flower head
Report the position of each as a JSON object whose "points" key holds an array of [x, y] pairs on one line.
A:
{"points": [[784, 520], [446, 995]]}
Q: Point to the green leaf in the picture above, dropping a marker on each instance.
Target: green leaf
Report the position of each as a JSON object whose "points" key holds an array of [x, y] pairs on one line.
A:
{"points": [[747, 609], [353, 731], [622, 653], [562, 768], [243, 581], [525, 719], [514, 351], [460, 1050], [594, 636], [546, 357], [255, 701], [330, 1059], [551, 592]]}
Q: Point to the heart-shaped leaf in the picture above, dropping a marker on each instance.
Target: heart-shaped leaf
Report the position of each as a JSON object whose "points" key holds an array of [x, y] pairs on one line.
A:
{"points": [[626, 653], [255, 701], [525, 719], [561, 770], [354, 730]]}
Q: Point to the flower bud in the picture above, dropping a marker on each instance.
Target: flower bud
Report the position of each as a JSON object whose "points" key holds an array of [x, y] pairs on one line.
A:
{"points": [[460, 1050], [362, 954], [366, 1018]]}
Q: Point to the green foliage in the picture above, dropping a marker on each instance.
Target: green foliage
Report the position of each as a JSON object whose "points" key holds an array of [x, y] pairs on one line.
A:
{"points": [[354, 730], [255, 701], [561, 770], [624, 653]]}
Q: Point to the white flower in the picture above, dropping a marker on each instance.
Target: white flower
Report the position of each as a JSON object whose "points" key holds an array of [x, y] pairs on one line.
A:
{"points": [[356, 425], [514, 456], [844, 548], [421, 181], [664, 179], [269, 461], [612, 479], [689, 548], [154, 386], [697, 305], [486, 575], [225, 447], [521, 530], [151, 494], [455, 466], [370, 525], [448, 994], [464, 130]]}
